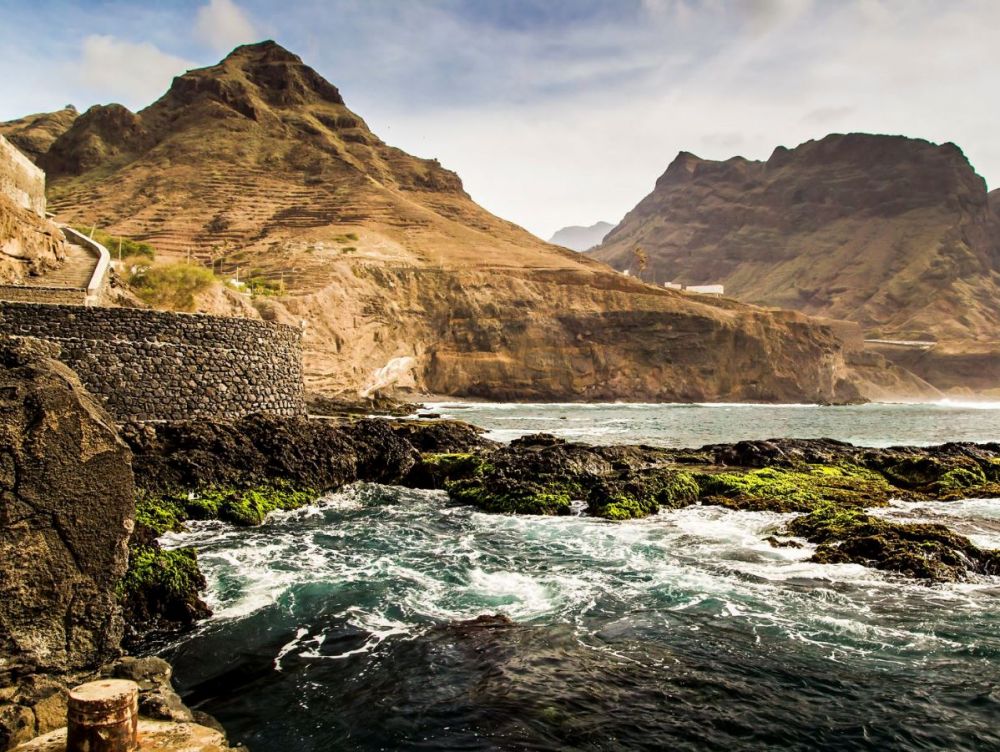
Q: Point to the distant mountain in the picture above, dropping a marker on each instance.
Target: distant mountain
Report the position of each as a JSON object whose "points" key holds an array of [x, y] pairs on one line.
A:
{"points": [[894, 233], [256, 162], [34, 134], [579, 238]]}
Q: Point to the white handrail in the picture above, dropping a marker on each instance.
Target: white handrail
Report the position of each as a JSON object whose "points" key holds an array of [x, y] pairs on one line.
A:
{"points": [[103, 262]]}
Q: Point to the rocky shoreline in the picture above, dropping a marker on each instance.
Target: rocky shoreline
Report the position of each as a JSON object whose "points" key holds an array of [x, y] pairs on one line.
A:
{"points": [[87, 500]]}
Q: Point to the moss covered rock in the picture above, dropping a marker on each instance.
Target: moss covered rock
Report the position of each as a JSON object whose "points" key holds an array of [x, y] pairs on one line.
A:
{"points": [[161, 588], [925, 551], [636, 493], [795, 490], [515, 496]]}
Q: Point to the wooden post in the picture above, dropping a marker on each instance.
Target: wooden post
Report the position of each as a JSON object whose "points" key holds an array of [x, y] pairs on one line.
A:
{"points": [[103, 716]]}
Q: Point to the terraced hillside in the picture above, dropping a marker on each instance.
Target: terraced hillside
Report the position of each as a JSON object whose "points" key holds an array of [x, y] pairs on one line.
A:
{"points": [[257, 163]]}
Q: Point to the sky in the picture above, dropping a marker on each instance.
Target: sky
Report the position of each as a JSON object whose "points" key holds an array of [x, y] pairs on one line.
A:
{"points": [[554, 112]]}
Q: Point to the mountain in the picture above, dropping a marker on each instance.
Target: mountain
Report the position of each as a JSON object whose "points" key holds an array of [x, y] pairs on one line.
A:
{"points": [[579, 238], [894, 233], [34, 134], [257, 167]]}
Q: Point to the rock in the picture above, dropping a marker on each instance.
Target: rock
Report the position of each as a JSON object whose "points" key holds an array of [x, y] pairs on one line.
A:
{"points": [[893, 233], [66, 511], [157, 698], [442, 435], [318, 454], [154, 736], [923, 551]]}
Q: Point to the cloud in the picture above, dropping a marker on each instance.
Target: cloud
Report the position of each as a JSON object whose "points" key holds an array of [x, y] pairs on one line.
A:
{"points": [[222, 25], [559, 112], [132, 72]]}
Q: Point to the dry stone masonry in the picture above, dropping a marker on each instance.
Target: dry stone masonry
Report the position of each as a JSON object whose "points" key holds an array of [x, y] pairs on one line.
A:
{"points": [[151, 365], [20, 179]]}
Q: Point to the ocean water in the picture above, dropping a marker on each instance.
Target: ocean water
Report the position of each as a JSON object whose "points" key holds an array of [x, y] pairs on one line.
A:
{"points": [[694, 425], [344, 626]]}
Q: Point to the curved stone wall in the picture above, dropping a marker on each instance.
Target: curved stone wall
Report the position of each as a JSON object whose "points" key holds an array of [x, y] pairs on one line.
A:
{"points": [[151, 365]]}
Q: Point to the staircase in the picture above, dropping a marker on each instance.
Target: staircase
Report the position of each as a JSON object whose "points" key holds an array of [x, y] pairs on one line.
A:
{"points": [[75, 272], [68, 284]]}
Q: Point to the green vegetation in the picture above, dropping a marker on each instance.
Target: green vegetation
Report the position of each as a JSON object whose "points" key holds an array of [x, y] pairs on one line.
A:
{"points": [[955, 483], [159, 514], [514, 497], [120, 247], [799, 490], [241, 506], [346, 238], [170, 574], [638, 494], [171, 286], [259, 285]]}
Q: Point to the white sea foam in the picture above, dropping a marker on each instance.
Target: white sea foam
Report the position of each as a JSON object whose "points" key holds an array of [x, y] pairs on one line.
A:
{"points": [[390, 562]]}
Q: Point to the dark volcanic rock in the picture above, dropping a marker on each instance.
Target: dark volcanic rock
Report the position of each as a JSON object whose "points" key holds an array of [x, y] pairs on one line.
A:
{"points": [[316, 453], [66, 512]]}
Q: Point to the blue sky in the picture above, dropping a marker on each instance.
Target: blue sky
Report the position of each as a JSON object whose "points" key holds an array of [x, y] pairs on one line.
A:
{"points": [[554, 112]]}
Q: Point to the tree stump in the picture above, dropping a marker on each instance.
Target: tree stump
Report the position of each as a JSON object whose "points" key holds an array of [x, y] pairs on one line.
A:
{"points": [[103, 717]]}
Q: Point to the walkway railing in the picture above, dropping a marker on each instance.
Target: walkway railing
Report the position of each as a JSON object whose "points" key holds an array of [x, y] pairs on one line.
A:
{"points": [[100, 275]]}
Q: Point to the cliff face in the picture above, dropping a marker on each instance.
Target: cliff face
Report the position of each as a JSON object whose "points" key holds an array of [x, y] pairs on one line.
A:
{"points": [[256, 162], [895, 233], [66, 512], [67, 508], [29, 243]]}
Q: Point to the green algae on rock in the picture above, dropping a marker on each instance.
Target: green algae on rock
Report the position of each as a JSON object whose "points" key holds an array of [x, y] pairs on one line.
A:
{"points": [[162, 586], [920, 550], [638, 493], [795, 490]]}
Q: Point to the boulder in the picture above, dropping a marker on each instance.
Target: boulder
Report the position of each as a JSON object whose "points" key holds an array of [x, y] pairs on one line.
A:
{"points": [[66, 512]]}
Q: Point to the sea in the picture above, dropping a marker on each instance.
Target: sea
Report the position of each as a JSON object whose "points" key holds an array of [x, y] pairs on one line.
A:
{"points": [[384, 618]]}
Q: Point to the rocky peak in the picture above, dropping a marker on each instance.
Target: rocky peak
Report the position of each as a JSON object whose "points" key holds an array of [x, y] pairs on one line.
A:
{"points": [[252, 78], [102, 132], [35, 134], [681, 169]]}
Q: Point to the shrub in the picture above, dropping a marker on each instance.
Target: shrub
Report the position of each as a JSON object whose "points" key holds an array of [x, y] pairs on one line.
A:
{"points": [[171, 286], [120, 246]]}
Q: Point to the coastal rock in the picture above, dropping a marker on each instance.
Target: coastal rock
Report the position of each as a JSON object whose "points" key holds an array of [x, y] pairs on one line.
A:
{"points": [[157, 698], [66, 512], [318, 454], [155, 736]]}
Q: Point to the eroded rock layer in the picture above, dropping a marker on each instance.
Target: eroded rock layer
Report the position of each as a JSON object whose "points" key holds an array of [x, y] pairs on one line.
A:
{"points": [[896, 234]]}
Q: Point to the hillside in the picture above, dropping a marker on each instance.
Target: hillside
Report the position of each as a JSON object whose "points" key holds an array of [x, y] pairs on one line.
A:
{"points": [[578, 238], [35, 134], [257, 163], [896, 234]]}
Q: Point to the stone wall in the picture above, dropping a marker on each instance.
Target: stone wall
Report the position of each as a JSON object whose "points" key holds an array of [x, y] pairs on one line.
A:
{"points": [[150, 365], [21, 179], [33, 294]]}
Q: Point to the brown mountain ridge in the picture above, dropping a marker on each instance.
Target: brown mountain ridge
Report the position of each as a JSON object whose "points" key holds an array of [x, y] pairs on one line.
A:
{"points": [[257, 162], [894, 233]]}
